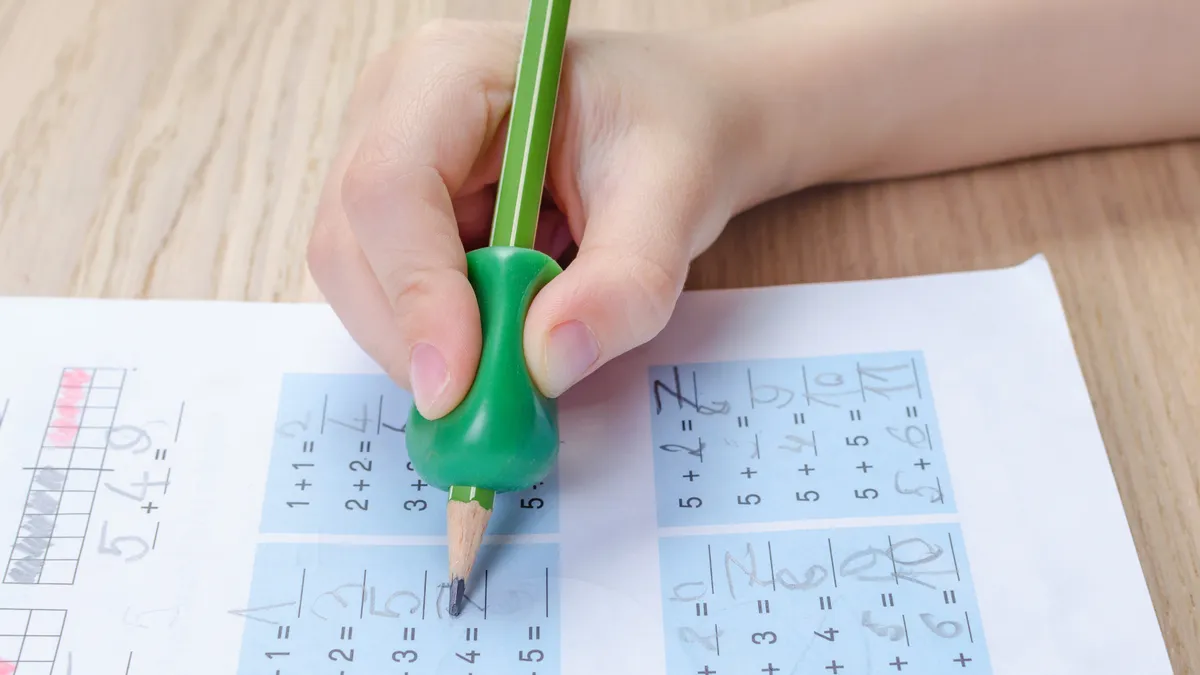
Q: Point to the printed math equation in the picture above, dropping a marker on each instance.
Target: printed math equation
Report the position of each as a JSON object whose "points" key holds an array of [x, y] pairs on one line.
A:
{"points": [[339, 466], [845, 601], [797, 439]]}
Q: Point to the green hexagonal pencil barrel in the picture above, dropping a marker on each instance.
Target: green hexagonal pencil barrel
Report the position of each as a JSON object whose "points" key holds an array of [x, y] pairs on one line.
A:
{"points": [[503, 436]]}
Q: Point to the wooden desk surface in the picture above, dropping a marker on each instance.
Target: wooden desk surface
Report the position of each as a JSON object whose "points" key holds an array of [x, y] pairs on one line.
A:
{"points": [[175, 148]]}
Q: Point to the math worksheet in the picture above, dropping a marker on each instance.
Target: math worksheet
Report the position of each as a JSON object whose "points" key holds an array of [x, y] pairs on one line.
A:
{"points": [[890, 477]]}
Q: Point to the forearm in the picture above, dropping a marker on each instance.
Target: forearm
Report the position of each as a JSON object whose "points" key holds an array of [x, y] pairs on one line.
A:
{"points": [[846, 90]]}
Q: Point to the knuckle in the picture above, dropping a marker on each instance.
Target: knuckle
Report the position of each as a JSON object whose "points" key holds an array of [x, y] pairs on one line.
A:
{"points": [[322, 250], [361, 176], [372, 180], [465, 55], [440, 101], [658, 286], [423, 183], [410, 289]]}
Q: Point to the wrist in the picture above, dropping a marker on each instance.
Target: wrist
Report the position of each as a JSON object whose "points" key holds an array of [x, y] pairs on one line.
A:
{"points": [[855, 90], [788, 126]]}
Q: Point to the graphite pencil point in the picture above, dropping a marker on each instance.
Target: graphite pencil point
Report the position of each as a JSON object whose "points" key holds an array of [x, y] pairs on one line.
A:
{"points": [[458, 590], [467, 515]]}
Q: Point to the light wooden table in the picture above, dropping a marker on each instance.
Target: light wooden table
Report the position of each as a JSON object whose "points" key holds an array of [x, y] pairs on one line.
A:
{"points": [[174, 148]]}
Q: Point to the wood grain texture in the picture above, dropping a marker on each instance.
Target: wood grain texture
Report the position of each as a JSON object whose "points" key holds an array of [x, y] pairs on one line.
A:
{"points": [[175, 149]]}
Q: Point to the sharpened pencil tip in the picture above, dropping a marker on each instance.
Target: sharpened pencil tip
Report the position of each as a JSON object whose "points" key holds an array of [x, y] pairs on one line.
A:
{"points": [[458, 589]]}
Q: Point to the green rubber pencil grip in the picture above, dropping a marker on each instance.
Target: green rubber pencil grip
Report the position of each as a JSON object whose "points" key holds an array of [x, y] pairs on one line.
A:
{"points": [[503, 436]]}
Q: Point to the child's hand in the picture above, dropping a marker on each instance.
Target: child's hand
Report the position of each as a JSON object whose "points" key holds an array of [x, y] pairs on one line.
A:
{"points": [[642, 171]]}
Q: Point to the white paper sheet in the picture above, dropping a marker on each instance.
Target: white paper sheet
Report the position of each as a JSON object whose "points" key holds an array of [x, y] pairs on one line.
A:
{"points": [[899, 476]]}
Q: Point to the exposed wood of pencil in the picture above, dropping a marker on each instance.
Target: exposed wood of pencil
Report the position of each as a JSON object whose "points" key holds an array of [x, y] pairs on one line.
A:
{"points": [[465, 524]]}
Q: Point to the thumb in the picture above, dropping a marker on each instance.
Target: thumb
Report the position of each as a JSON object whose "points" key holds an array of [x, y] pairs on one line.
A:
{"points": [[618, 292]]}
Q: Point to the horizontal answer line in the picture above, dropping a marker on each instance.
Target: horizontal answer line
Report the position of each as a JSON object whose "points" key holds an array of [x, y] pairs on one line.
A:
{"points": [[63, 468], [398, 540], [62, 491], [815, 524]]}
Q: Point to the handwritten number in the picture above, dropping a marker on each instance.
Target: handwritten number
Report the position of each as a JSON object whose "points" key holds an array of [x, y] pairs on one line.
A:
{"points": [[697, 451], [814, 576], [283, 428], [336, 595], [876, 373], [777, 393], [680, 598], [913, 435], [830, 379], [893, 632], [929, 552], [894, 566], [873, 372], [689, 635], [145, 485], [387, 604], [112, 548], [828, 387], [361, 422], [852, 567], [660, 387], [799, 444], [137, 445], [933, 493], [942, 629]]}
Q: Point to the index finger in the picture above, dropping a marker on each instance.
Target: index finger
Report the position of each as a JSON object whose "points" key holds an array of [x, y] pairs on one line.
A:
{"points": [[431, 130]]}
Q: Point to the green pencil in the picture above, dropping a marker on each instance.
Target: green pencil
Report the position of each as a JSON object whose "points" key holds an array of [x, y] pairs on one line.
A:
{"points": [[535, 95], [504, 435]]}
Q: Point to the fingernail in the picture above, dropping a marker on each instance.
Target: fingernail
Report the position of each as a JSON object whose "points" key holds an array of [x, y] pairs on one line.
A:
{"points": [[429, 376], [570, 351]]}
